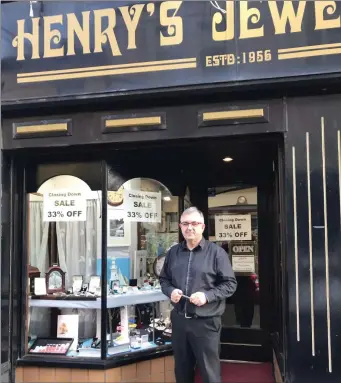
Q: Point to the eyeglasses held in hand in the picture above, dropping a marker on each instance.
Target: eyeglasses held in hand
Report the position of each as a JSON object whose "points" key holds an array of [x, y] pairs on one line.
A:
{"points": [[194, 224]]}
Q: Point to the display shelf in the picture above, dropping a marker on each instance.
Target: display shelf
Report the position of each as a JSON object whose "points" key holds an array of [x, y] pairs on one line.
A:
{"points": [[148, 296]]}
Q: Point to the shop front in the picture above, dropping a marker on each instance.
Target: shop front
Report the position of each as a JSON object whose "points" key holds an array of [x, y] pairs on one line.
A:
{"points": [[115, 118]]}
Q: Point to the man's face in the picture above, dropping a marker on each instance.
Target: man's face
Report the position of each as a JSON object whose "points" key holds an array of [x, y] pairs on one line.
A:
{"points": [[192, 226]]}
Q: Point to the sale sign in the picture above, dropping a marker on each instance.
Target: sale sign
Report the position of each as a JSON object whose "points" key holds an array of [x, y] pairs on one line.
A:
{"points": [[141, 206], [64, 205], [233, 227]]}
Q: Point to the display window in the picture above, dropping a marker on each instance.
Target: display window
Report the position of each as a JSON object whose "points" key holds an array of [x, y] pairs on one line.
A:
{"points": [[64, 282], [142, 225], [79, 294]]}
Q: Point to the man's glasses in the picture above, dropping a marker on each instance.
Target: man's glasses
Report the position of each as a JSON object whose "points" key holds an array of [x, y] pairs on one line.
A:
{"points": [[194, 224]]}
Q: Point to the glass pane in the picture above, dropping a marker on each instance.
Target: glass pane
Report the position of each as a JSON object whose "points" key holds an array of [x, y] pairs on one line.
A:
{"points": [[233, 224], [142, 225], [64, 237]]}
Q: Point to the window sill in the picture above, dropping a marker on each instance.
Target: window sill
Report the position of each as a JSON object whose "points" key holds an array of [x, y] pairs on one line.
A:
{"points": [[93, 364]]}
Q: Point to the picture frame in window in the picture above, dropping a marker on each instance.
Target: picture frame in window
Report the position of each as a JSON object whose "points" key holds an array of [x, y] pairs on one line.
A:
{"points": [[94, 284], [118, 230], [77, 282]]}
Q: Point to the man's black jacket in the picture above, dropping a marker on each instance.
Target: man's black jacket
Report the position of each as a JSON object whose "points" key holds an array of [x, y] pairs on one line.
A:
{"points": [[207, 269]]}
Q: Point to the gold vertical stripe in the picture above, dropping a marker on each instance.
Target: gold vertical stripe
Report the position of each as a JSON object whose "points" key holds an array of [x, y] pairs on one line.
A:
{"points": [[312, 315], [295, 244], [126, 122], [60, 127], [326, 241]]}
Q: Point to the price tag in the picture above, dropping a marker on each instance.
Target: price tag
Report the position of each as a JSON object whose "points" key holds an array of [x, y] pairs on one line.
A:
{"points": [[64, 205], [140, 206], [233, 227]]}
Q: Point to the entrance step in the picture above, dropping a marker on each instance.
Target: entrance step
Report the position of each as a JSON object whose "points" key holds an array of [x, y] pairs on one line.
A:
{"points": [[249, 345], [245, 352], [234, 372]]}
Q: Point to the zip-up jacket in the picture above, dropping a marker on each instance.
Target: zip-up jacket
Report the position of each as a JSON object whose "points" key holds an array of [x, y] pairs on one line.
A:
{"points": [[206, 269]]}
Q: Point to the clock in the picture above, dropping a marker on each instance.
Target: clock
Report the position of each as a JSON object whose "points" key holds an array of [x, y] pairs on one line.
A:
{"points": [[55, 280], [158, 264], [241, 200], [115, 198]]}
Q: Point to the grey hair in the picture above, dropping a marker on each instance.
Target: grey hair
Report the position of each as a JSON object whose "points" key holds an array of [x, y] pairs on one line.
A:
{"points": [[193, 209]]}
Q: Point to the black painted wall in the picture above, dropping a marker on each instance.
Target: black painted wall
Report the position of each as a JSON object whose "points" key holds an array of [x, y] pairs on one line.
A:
{"points": [[314, 238], [5, 264], [312, 241]]}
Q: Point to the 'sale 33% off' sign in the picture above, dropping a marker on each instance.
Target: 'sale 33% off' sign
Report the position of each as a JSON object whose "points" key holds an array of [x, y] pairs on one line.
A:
{"points": [[141, 206], [233, 227], [61, 206]]}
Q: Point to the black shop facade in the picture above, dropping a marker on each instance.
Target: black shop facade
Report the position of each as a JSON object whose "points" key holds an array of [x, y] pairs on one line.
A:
{"points": [[116, 116]]}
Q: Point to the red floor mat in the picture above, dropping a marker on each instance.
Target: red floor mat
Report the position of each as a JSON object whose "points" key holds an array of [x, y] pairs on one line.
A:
{"points": [[244, 373]]}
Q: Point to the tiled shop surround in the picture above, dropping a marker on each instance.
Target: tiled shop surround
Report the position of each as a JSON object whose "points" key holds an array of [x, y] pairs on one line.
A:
{"points": [[155, 370]]}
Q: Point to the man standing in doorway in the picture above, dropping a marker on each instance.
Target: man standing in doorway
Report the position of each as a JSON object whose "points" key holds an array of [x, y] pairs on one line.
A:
{"points": [[198, 277]]}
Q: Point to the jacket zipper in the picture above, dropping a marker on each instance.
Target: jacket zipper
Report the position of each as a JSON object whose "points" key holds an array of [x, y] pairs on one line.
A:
{"points": [[187, 279]]}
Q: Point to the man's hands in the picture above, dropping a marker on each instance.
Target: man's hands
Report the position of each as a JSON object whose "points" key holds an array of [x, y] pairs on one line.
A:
{"points": [[198, 299], [176, 295]]}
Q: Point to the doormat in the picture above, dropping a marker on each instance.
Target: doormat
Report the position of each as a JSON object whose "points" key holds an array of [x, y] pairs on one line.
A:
{"points": [[244, 373]]}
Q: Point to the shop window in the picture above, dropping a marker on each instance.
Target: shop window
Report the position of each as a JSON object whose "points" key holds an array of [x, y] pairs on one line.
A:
{"points": [[142, 224], [64, 291], [64, 245], [233, 224]]}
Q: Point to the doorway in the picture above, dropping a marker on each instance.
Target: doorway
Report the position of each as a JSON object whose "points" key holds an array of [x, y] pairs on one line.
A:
{"points": [[237, 181]]}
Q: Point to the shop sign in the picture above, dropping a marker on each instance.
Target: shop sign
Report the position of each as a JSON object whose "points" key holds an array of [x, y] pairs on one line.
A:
{"points": [[243, 264], [233, 227], [53, 49], [64, 205], [142, 206], [243, 256]]}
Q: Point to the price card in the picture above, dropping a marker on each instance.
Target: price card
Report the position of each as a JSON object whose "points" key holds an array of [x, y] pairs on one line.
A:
{"points": [[64, 205], [233, 227], [141, 206]]}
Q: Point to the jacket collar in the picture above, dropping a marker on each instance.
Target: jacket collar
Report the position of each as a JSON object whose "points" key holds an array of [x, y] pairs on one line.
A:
{"points": [[201, 244]]}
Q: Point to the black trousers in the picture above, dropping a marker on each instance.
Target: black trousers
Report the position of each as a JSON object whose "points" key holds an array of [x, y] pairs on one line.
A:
{"points": [[196, 342]]}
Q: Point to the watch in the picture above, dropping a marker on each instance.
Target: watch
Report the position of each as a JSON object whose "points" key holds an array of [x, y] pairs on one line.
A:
{"points": [[115, 198], [158, 264]]}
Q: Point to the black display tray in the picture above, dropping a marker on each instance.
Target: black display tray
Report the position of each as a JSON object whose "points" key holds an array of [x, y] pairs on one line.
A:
{"points": [[51, 346], [63, 298]]}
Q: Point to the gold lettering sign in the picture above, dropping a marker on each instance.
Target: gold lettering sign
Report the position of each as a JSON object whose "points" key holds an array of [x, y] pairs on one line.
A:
{"points": [[96, 31], [131, 15]]}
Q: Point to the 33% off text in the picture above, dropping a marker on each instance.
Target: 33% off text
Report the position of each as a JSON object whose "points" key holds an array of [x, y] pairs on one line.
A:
{"points": [[140, 215], [60, 214]]}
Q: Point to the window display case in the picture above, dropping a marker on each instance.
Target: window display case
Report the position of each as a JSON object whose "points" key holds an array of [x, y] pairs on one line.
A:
{"points": [[142, 226], [93, 292]]}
